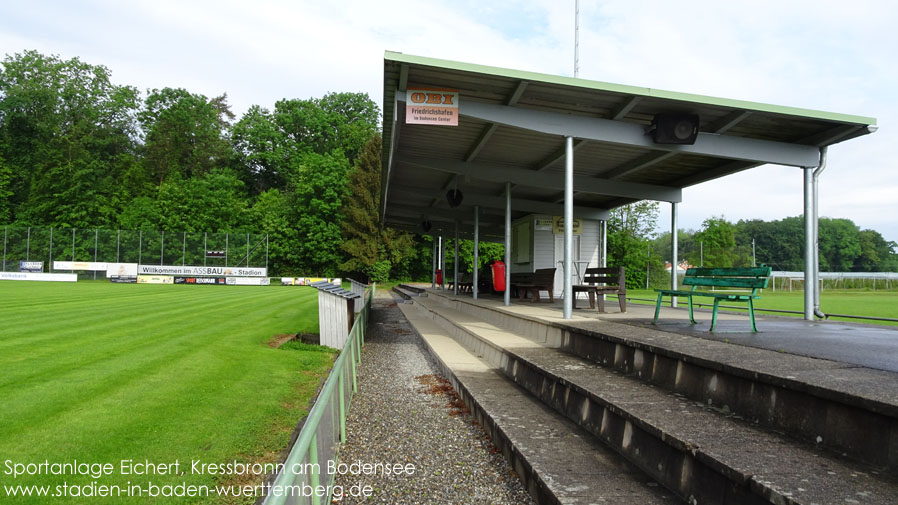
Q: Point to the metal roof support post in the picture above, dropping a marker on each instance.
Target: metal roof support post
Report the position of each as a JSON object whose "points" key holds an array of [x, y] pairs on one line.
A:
{"points": [[433, 268], [816, 223], [568, 301], [604, 262], [442, 264], [507, 244], [809, 248], [476, 250], [673, 251], [455, 264]]}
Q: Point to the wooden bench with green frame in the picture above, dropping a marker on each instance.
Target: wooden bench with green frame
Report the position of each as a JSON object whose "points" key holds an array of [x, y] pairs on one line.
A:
{"points": [[754, 278]]}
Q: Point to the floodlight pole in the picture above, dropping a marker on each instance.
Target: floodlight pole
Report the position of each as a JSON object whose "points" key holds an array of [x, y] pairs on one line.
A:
{"points": [[576, 38], [568, 300]]}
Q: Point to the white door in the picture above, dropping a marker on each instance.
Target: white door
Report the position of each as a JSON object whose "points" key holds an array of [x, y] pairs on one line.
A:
{"points": [[559, 262]]}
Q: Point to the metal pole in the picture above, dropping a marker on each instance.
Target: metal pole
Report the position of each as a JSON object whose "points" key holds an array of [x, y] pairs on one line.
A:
{"points": [[247, 250], [5, 231], [648, 261], [507, 296], [809, 286], [73, 245], [754, 262], [96, 247], [604, 244], [227, 242], [701, 253], [673, 251], [139, 246], [50, 263], [28, 245], [568, 225], [183, 247], [205, 250], [266, 253], [816, 224], [118, 245], [576, 38], [474, 289], [433, 262], [162, 248], [455, 263]]}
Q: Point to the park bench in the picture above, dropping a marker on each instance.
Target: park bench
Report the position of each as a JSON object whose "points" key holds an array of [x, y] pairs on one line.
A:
{"points": [[754, 278], [543, 279], [603, 281], [465, 283]]}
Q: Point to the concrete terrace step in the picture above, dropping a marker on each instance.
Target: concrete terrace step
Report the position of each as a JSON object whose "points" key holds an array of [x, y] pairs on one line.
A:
{"points": [[402, 293], [413, 289], [700, 453], [855, 409], [558, 461]]}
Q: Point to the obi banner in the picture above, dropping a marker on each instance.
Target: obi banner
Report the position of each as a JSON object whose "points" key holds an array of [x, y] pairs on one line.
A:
{"points": [[431, 106]]}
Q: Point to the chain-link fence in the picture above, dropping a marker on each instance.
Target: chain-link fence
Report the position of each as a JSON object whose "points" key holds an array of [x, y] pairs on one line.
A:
{"points": [[145, 247]]}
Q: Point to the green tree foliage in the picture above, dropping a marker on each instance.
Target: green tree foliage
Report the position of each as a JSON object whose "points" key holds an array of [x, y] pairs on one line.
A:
{"points": [[717, 245], [372, 251], [67, 135], [320, 188], [630, 232], [185, 133], [5, 193]]}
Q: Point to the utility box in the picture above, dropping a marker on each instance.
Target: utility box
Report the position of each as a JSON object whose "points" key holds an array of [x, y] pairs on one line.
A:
{"points": [[336, 313]]}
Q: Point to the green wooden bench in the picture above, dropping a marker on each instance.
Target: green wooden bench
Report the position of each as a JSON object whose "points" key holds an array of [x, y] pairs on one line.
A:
{"points": [[754, 278]]}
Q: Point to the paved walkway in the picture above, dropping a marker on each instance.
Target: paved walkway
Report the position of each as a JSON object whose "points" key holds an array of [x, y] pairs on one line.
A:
{"points": [[404, 412]]}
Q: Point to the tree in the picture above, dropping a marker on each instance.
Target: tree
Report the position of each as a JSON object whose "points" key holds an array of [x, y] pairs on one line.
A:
{"points": [[717, 240], [185, 133], [372, 250], [67, 135], [630, 232]]}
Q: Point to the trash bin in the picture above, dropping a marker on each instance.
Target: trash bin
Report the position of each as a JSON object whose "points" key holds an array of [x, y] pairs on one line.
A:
{"points": [[498, 276], [439, 277]]}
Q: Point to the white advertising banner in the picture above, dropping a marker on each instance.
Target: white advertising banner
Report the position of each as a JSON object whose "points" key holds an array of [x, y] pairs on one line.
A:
{"points": [[31, 276], [79, 265], [248, 281], [121, 270], [155, 279], [196, 270]]}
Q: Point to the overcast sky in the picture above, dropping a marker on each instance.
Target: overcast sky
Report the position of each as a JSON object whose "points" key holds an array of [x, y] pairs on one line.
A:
{"points": [[834, 56]]}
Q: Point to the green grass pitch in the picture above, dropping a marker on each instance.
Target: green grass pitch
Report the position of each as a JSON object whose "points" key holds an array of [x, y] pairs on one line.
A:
{"points": [[99, 373]]}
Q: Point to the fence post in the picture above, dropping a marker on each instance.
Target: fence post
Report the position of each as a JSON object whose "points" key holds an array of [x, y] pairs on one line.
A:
{"points": [[50, 262], [205, 248], [28, 245], [183, 247], [139, 246], [314, 467], [162, 249], [247, 250], [96, 246], [118, 245], [5, 230], [266, 253], [73, 249], [227, 238]]}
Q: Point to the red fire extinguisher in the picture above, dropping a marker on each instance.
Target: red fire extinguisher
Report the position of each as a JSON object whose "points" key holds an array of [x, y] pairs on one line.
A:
{"points": [[498, 276], [439, 277]]}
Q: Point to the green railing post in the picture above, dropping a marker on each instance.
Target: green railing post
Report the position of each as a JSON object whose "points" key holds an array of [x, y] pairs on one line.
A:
{"points": [[342, 410], [314, 479]]}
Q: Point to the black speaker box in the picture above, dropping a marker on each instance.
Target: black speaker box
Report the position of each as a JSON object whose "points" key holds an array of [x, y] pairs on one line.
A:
{"points": [[675, 128]]}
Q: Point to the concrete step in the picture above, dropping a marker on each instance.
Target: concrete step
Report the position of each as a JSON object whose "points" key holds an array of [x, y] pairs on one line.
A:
{"points": [[402, 293], [413, 289], [701, 451], [558, 461], [855, 409]]}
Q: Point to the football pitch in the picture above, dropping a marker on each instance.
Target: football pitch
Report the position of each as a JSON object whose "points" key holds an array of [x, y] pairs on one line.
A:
{"points": [[139, 377]]}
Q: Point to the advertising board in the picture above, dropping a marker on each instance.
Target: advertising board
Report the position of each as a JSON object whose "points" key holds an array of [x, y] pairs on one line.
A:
{"points": [[249, 281], [34, 276], [221, 281], [80, 265], [191, 271], [31, 266], [155, 279]]}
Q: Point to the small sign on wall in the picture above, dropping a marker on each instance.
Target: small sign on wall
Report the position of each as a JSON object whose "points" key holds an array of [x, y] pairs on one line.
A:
{"points": [[432, 106], [558, 225], [543, 224]]}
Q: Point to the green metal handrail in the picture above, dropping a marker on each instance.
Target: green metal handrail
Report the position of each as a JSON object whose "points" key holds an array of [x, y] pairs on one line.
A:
{"points": [[307, 442]]}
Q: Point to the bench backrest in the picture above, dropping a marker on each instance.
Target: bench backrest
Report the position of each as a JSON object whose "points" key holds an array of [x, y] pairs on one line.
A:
{"points": [[544, 277], [611, 276], [753, 278], [521, 277]]}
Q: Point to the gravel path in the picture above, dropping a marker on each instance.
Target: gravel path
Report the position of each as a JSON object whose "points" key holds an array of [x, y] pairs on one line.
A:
{"points": [[404, 413]]}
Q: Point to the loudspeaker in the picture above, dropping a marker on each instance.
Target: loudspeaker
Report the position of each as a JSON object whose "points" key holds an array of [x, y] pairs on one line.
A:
{"points": [[674, 128], [454, 197]]}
